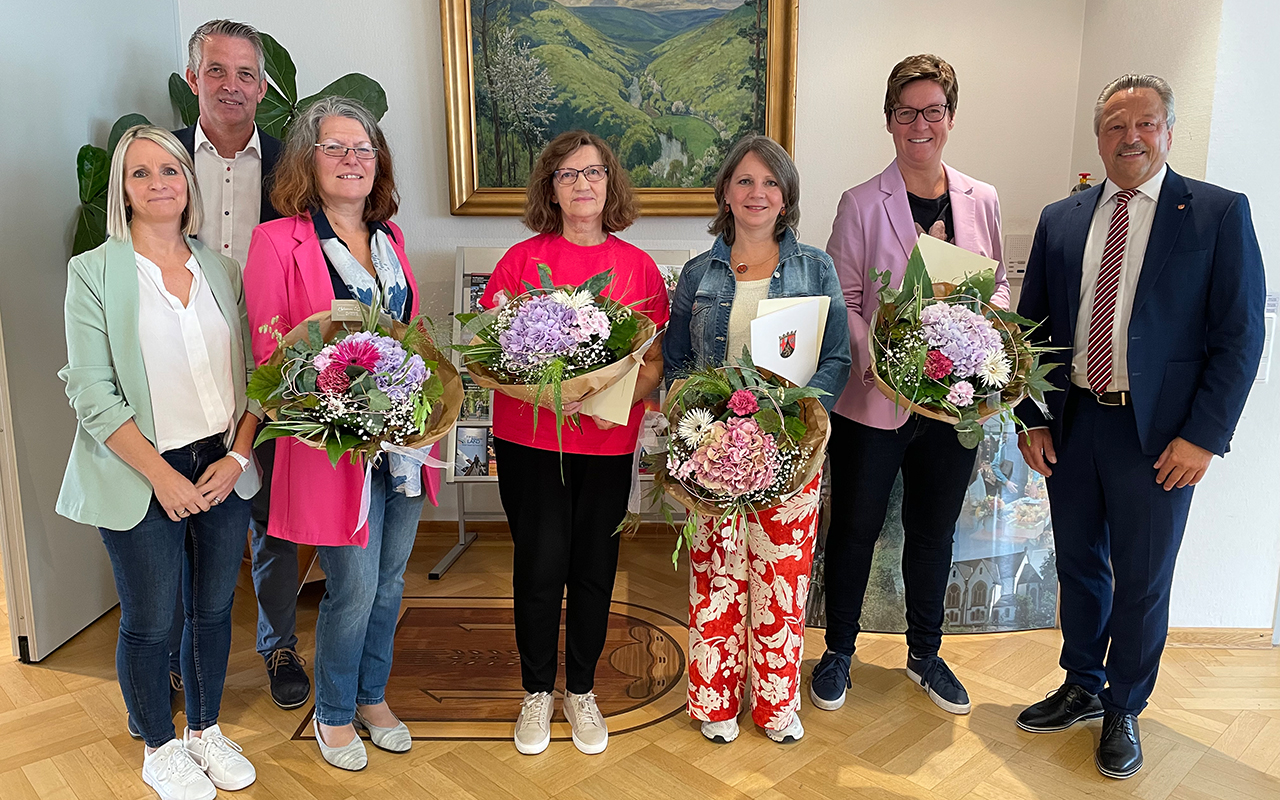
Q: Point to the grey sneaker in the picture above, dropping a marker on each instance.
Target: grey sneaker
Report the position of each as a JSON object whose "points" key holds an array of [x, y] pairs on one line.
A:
{"points": [[793, 732], [721, 732], [589, 732], [533, 726]]}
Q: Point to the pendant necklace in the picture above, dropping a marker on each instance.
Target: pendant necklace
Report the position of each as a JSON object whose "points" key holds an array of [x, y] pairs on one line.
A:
{"points": [[742, 266]]}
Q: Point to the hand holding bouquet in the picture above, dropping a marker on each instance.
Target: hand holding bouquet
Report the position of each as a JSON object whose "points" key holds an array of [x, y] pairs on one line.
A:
{"points": [[348, 391], [554, 345], [741, 440], [943, 351]]}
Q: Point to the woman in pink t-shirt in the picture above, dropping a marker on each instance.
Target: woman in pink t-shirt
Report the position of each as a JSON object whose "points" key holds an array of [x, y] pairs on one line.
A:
{"points": [[563, 529]]}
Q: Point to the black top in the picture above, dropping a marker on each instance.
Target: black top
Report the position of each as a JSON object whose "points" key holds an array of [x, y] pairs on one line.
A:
{"points": [[926, 212], [324, 230]]}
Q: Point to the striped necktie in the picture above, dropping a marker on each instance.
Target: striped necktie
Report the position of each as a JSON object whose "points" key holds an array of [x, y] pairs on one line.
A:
{"points": [[1098, 357]]}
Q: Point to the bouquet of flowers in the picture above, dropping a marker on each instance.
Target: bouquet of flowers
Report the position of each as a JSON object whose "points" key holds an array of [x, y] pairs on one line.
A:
{"points": [[943, 351], [349, 391], [553, 345], [741, 440]]}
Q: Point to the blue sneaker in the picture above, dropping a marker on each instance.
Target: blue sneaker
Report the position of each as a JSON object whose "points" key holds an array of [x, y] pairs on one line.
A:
{"points": [[830, 679], [934, 676]]}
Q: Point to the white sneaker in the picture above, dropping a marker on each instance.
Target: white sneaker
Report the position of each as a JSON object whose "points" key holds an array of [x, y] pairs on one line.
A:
{"points": [[224, 765], [533, 726], [792, 733], [721, 732], [176, 774], [589, 732]]}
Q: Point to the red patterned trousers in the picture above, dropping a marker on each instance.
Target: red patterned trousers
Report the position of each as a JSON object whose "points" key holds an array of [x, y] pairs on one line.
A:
{"points": [[757, 570]]}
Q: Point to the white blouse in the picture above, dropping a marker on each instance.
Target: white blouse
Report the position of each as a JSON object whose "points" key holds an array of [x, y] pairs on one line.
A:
{"points": [[187, 355], [746, 299]]}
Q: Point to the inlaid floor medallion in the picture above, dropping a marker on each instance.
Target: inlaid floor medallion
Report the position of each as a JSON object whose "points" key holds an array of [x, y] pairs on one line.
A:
{"points": [[457, 670]]}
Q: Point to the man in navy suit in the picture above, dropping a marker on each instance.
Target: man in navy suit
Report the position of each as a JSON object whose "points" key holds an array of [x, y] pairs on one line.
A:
{"points": [[1152, 286]]}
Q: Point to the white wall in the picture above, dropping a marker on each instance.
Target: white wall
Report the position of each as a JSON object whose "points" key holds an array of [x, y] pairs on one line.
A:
{"points": [[1230, 559], [70, 70], [1175, 39]]}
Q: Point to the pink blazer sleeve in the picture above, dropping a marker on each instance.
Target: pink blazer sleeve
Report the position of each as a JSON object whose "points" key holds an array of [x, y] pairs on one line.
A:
{"points": [[1000, 299]]}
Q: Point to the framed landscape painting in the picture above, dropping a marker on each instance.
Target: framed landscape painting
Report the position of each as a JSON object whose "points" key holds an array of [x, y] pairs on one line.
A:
{"points": [[669, 84]]}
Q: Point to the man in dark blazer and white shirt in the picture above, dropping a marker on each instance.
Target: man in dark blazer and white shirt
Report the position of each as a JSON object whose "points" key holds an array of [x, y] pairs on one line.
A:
{"points": [[1152, 285], [234, 159]]}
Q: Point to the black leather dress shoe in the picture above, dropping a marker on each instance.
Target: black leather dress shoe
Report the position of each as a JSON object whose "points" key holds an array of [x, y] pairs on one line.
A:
{"points": [[290, 686], [1119, 753], [1070, 704]]}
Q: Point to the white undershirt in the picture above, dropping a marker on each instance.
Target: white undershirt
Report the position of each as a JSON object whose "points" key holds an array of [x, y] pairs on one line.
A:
{"points": [[187, 355], [746, 302], [1142, 211], [231, 190]]}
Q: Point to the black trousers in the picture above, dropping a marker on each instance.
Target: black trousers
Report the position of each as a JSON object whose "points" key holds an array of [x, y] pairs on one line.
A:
{"points": [[1116, 533], [564, 539], [936, 470]]}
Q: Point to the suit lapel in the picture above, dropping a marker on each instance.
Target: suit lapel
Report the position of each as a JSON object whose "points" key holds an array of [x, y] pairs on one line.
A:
{"points": [[963, 212], [1079, 218], [897, 208], [121, 300], [313, 271], [1171, 209]]}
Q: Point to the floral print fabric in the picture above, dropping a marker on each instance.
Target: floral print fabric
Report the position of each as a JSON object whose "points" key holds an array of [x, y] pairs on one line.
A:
{"points": [[757, 570]]}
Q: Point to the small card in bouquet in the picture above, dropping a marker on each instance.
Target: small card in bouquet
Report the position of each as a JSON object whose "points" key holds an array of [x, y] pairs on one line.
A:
{"points": [[787, 341]]}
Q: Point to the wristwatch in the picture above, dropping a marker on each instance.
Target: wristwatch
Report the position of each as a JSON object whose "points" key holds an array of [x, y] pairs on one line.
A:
{"points": [[241, 460]]}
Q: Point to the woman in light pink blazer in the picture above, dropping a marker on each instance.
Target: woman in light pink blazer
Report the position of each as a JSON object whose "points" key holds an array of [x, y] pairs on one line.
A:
{"points": [[335, 179], [876, 227]]}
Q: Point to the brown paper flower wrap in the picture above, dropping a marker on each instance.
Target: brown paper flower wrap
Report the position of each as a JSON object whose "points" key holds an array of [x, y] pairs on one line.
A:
{"points": [[572, 390], [445, 410]]}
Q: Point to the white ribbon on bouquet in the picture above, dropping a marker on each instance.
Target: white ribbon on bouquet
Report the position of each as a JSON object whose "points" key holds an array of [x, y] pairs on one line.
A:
{"points": [[412, 487]]}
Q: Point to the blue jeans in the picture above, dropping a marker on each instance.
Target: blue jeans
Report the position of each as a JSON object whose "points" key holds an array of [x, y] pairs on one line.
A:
{"points": [[152, 562], [361, 604], [275, 582]]}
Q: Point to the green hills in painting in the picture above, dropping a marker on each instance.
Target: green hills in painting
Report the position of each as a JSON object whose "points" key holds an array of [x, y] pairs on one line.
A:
{"points": [[667, 84]]}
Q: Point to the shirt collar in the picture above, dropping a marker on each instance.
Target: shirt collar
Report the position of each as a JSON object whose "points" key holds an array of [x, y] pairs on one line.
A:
{"points": [[254, 145], [1151, 188]]}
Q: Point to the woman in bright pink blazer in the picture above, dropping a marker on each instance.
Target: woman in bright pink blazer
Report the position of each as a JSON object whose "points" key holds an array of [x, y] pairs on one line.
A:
{"points": [[876, 228], [336, 181]]}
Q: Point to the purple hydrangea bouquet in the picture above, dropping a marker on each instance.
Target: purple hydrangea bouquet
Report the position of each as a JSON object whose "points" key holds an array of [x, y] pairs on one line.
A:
{"points": [[348, 391], [554, 345], [741, 440], [943, 351]]}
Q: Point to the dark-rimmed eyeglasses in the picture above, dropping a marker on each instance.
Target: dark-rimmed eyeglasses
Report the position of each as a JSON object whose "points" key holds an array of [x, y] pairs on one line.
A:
{"points": [[567, 176], [905, 115], [364, 152]]}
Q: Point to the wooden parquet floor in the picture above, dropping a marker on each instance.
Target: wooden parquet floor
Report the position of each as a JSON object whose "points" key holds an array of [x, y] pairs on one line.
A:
{"points": [[1212, 731]]}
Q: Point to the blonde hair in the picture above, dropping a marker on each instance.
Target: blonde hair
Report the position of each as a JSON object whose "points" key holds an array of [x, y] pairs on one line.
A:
{"points": [[118, 211]]}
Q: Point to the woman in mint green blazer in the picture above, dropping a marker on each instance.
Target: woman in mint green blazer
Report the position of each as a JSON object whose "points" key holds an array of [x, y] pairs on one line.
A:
{"points": [[157, 359]]}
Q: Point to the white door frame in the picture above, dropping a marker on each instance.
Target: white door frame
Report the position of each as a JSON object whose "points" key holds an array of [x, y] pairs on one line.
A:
{"points": [[13, 542]]}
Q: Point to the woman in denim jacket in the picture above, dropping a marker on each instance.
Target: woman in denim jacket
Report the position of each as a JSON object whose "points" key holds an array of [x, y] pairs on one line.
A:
{"points": [[766, 562]]}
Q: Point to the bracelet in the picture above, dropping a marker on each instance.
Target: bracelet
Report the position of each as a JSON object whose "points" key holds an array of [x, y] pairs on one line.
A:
{"points": [[241, 460]]}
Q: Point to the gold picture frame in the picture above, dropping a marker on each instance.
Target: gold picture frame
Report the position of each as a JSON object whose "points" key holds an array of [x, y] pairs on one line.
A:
{"points": [[468, 198]]}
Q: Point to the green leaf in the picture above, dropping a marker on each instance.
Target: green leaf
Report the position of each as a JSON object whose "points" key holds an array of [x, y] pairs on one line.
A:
{"points": [[619, 341], [91, 225], [185, 100], [768, 420], [795, 427], [969, 433], [596, 284], [313, 336], [264, 382], [378, 400], [123, 124], [335, 447], [1012, 318], [280, 68], [270, 432], [361, 88], [916, 279], [544, 277], [274, 113], [93, 167], [982, 285]]}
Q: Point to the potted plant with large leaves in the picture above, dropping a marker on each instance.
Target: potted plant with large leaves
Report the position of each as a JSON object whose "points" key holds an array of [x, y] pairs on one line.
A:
{"points": [[275, 114]]}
